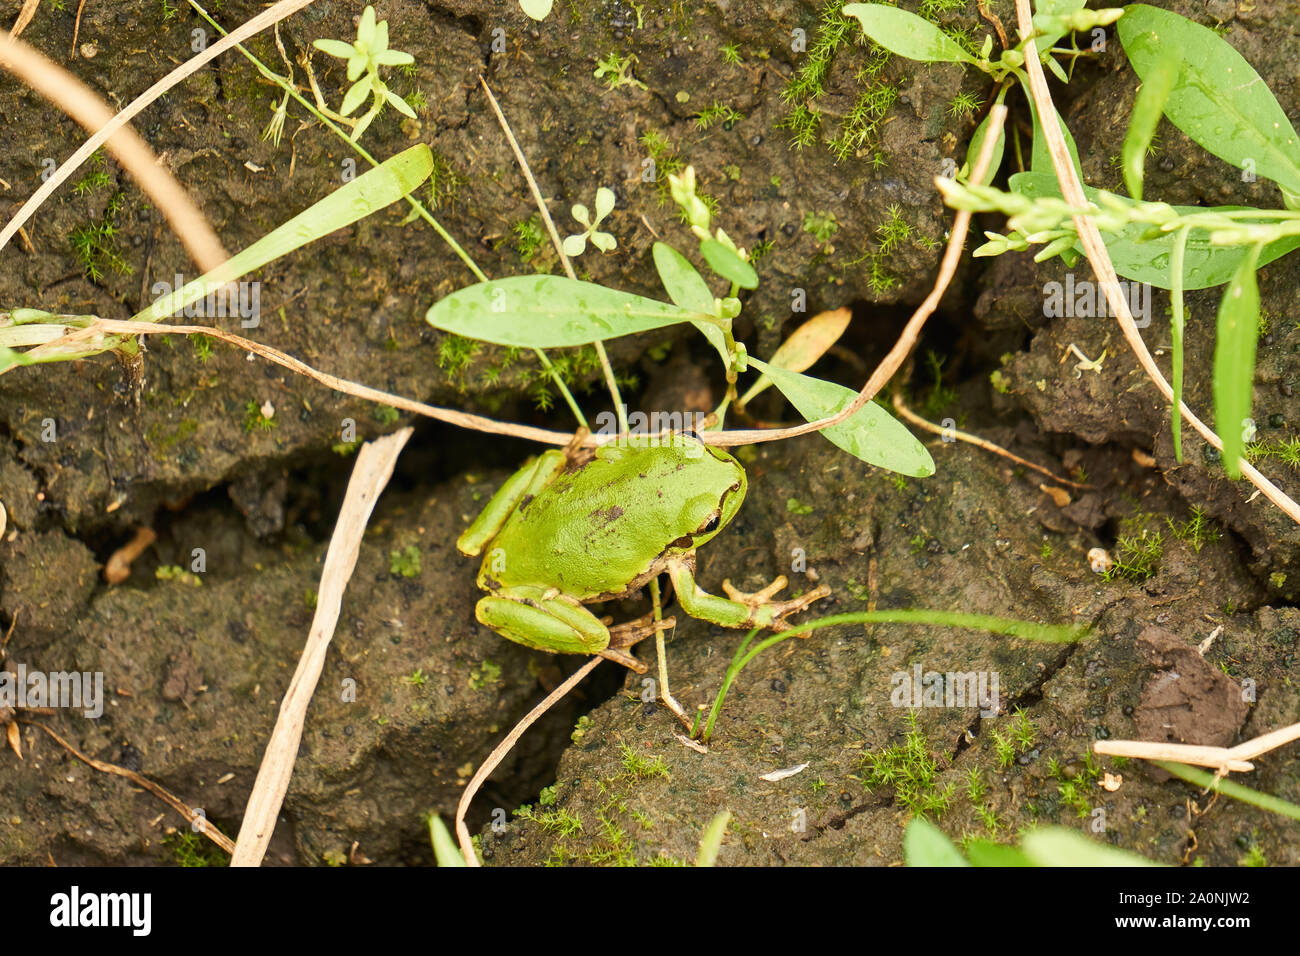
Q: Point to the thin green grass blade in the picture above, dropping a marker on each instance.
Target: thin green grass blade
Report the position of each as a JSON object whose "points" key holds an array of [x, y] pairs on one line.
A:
{"points": [[1176, 324], [368, 193], [1147, 110], [1234, 360], [1203, 778], [711, 842]]}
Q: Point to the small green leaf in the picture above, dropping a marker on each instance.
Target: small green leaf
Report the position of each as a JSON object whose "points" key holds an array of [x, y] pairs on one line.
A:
{"points": [[1234, 360], [870, 434], [398, 103], [344, 51], [356, 95], [541, 311], [907, 34], [924, 844], [1151, 99], [727, 264], [1217, 99], [683, 283], [445, 850], [805, 346], [711, 842]]}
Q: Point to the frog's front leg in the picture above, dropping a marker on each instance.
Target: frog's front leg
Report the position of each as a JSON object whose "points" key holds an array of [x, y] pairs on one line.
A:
{"points": [[738, 609], [546, 621]]}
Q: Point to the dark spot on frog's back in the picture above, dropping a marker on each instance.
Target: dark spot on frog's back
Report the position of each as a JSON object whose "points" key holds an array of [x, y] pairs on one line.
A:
{"points": [[606, 516]]}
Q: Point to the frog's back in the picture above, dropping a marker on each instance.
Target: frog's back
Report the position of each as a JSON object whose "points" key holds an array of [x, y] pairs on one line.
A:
{"points": [[594, 530]]}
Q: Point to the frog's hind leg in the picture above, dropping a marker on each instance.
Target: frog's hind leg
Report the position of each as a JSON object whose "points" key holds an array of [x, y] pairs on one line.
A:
{"points": [[526, 482], [543, 623]]}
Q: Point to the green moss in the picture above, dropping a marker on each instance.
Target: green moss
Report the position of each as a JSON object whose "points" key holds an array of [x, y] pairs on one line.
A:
{"points": [[194, 849], [911, 770], [639, 765], [487, 673], [254, 420], [405, 562]]}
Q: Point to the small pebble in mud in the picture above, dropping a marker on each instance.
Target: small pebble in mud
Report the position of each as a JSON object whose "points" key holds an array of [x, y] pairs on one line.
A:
{"points": [[130, 758], [1167, 164], [347, 731], [1028, 758], [1100, 560], [789, 229], [1285, 388], [1277, 420], [755, 139], [778, 685], [1128, 710], [1072, 769], [1211, 455]]}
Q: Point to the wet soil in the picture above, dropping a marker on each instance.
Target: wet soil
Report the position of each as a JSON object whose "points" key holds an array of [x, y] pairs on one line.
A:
{"points": [[415, 692]]}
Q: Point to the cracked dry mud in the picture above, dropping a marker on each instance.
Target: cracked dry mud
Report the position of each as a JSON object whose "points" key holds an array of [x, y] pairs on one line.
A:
{"points": [[195, 673]]}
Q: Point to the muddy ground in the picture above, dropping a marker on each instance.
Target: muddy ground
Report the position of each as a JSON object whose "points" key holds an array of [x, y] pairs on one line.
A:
{"points": [[195, 663]]}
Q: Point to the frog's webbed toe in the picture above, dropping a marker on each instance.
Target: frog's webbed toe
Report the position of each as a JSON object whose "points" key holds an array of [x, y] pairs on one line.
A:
{"points": [[774, 612], [623, 636]]}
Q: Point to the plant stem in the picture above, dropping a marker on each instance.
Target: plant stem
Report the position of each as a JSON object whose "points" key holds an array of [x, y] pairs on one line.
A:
{"points": [[984, 622]]}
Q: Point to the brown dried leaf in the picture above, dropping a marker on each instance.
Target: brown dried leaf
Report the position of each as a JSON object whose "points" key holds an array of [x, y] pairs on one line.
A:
{"points": [[805, 346]]}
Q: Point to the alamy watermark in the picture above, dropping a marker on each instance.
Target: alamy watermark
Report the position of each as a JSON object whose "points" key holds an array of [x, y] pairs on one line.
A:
{"points": [[1086, 299], [242, 299], [922, 688], [658, 427], [74, 690]]}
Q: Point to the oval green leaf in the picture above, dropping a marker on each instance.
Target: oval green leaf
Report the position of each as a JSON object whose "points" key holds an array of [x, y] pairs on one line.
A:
{"points": [[549, 312], [924, 844], [870, 434], [683, 283], [1218, 99], [728, 265], [907, 34]]}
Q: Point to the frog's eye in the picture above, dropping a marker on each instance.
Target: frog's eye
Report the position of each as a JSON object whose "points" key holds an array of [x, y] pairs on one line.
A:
{"points": [[711, 524]]}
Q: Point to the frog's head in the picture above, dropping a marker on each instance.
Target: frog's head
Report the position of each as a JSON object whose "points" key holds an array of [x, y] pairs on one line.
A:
{"points": [[718, 495]]}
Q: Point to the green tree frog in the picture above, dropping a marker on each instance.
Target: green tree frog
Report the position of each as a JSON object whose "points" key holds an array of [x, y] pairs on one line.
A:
{"points": [[572, 528]]}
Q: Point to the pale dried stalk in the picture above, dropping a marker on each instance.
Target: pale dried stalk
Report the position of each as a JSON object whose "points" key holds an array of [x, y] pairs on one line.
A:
{"points": [[189, 224], [81, 103], [1222, 759], [197, 821], [956, 434], [24, 17], [98, 332], [373, 468], [1216, 758], [499, 752], [1095, 249]]}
